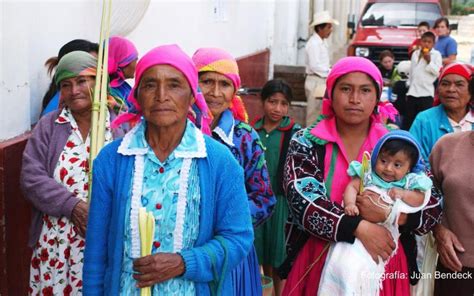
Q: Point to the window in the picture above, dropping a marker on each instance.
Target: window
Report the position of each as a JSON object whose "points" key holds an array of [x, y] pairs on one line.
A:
{"points": [[400, 14]]}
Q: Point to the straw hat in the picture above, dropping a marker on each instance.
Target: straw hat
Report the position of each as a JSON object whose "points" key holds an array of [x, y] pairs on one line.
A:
{"points": [[323, 17]]}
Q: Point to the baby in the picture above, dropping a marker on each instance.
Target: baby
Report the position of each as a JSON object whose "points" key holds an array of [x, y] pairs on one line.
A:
{"points": [[395, 173], [392, 168]]}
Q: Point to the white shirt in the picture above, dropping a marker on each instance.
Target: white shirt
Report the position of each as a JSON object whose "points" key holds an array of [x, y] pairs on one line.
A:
{"points": [[317, 56], [464, 125], [422, 74]]}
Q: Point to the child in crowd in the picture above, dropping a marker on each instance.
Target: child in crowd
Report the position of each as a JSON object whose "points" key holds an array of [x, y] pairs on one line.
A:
{"points": [[390, 77], [422, 28], [396, 173], [275, 130], [394, 162], [389, 73], [400, 89], [425, 65]]}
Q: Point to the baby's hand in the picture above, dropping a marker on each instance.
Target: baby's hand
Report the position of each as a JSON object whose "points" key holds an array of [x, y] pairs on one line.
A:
{"points": [[395, 193], [351, 210]]}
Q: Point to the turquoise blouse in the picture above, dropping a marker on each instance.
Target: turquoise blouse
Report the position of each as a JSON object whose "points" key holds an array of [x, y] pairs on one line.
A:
{"points": [[161, 184]]}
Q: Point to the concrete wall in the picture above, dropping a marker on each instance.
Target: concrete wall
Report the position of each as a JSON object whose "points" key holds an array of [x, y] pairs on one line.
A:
{"points": [[15, 84], [33, 31], [284, 43]]}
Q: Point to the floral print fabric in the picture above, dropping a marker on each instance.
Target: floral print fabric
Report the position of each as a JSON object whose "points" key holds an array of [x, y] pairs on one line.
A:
{"points": [[56, 264]]}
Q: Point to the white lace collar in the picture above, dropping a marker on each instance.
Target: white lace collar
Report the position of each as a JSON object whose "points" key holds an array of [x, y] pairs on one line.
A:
{"points": [[225, 128], [192, 144]]}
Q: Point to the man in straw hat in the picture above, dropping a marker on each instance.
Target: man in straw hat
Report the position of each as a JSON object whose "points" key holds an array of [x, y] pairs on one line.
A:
{"points": [[317, 63]]}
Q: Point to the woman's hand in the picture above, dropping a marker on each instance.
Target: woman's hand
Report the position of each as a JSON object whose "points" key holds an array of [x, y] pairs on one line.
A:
{"points": [[447, 245], [79, 217], [376, 239], [157, 268], [370, 211]]}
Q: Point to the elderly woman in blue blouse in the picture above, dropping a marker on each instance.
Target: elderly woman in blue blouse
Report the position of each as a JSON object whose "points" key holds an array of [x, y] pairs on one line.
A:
{"points": [[219, 81], [191, 184]]}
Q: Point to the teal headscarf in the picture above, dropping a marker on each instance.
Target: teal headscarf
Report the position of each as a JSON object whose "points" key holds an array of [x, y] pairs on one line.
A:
{"points": [[74, 64]]}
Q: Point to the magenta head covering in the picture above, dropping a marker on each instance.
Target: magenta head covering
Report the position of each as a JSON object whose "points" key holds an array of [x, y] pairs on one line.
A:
{"points": [[350, 65], [354, 64], [220, 61], [173, 56], [121, 53]]}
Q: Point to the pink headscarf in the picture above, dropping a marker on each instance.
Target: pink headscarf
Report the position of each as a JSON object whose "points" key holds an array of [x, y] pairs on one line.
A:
{"points": [[356, 64], [220, 61], [171, 55], [121, 53]]}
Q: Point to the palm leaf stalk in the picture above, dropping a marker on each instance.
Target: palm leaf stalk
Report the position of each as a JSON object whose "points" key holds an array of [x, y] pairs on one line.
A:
{"points": [[364, 170], [146, 225], [99, 102], [104, 86]]}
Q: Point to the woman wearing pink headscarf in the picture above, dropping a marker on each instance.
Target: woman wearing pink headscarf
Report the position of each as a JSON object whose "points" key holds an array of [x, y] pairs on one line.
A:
{"points": [[192, 186], [122, 61], [315, 179], [219, 81]]}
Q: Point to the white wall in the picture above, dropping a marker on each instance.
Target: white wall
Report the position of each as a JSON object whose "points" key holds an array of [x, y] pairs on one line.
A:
{"points": [[243, 28], [285, 32], [33, 31], [304, 30]]}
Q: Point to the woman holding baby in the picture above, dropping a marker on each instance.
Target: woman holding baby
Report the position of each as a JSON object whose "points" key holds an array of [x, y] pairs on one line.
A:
{"points": [[315, 179]]}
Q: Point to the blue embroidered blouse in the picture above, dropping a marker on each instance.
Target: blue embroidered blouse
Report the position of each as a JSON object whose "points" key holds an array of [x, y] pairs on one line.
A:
{"points": [[245, 145], [161, 185]]}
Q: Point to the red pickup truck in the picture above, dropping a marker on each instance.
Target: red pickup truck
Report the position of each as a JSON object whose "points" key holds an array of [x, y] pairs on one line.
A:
{"points": [[390, 24]]}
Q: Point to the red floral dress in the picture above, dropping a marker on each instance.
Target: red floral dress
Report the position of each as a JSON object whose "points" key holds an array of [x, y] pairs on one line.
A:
{"points": [[56, 264]]}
